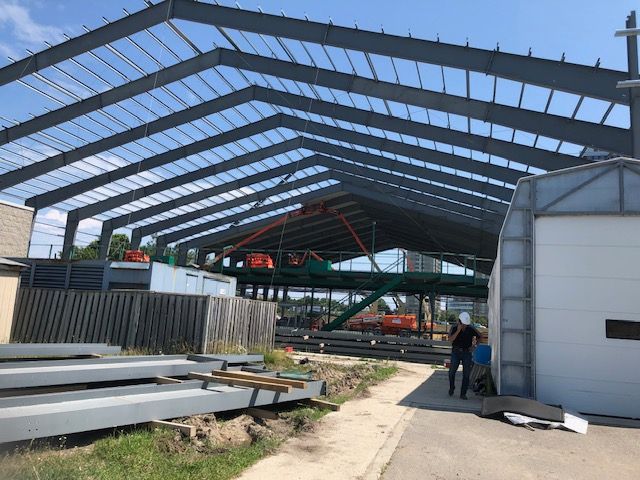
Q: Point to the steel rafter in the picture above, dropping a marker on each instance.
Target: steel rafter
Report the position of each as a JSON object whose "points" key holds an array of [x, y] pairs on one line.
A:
{"points": [[484, 169], [612, 139], [315, 160], [536, 157], [568, 77]]}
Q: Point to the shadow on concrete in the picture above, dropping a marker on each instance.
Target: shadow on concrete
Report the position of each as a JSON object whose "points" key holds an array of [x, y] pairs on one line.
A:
{"points": [[433, 394]]}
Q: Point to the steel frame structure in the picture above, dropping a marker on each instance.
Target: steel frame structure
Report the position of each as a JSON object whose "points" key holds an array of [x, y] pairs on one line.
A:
{"points": [[190, 173]]}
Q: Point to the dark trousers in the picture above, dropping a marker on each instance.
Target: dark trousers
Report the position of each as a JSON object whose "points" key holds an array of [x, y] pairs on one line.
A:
{"points": [[458, 355]]}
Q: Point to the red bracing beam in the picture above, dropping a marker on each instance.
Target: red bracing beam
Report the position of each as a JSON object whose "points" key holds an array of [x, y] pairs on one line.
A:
{"points": [[306, 210]]}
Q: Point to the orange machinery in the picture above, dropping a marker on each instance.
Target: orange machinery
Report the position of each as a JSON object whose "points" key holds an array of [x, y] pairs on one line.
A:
{"points": [[258, 260], [386, 324], [135, 256]]}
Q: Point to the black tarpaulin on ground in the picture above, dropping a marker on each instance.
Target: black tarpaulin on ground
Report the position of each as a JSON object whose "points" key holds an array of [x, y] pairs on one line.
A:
{"points": [[492, 406]]}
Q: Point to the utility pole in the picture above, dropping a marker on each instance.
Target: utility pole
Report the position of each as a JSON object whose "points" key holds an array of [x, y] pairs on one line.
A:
{"points": [[633, 84]]}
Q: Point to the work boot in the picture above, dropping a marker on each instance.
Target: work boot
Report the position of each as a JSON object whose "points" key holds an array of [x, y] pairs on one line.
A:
{"points": [[451, 391]]}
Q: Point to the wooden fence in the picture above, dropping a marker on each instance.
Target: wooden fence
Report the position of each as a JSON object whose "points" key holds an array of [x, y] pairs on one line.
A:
{"points": [[166, 322]]}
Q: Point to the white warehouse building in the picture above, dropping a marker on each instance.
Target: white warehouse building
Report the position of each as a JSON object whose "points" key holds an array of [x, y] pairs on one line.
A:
{"points": [[564, 298]]}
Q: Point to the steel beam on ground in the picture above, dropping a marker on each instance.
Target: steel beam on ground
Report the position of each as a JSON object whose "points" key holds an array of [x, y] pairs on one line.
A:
{"points": [[12, 350], [34, 374], [35, 421]]}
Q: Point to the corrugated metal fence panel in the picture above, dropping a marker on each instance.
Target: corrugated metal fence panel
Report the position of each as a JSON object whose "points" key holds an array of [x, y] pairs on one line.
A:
{"points": [[41, 274], [239, 324], [49, 276], [86, 277], [155, 321]]}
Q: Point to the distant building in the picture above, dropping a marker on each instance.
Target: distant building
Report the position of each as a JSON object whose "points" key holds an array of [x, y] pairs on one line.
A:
{"points": [[474, 307], [419, 262]]}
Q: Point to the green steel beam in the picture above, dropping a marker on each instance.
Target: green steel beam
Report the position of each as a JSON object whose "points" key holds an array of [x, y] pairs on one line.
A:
{"points": [[365, 302]]}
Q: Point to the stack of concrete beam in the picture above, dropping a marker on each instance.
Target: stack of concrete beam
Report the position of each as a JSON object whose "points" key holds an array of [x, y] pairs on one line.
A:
{"points": [[45, 398], [363, 345]]}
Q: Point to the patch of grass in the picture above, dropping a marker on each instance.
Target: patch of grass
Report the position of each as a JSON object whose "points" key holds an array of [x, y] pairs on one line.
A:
{"points": [[279, 360], [138, 455]]}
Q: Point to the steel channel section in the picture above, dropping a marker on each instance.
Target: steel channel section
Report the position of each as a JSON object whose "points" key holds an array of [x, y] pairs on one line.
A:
{"points": [[61, 397], [381, 347], [56, 349], [35, 375], [37, 421], [348, 335], [573, 78]]}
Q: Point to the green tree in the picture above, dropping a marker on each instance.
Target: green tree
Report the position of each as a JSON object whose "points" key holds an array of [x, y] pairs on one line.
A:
{"points": [[119, 243]]}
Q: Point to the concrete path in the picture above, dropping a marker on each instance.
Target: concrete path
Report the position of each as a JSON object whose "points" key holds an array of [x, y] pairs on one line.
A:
{"points": [[452, 445], [355, 442]]}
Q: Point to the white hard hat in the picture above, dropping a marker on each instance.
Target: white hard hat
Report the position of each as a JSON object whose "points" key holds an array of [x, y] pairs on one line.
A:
{"points": [[465, 318]]}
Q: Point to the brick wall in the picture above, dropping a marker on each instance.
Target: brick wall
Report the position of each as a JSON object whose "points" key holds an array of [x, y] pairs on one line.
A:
{"points": [[15, 229]]}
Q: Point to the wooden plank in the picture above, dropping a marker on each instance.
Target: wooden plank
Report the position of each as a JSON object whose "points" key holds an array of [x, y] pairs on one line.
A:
{"points": [[187, 430], [168, 341], [262, 413], [241, 383], [317, 403], [254, 376], [167, 380]]}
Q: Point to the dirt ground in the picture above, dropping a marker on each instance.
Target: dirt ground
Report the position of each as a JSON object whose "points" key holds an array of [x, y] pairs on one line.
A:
{"points": [[226, 431]]}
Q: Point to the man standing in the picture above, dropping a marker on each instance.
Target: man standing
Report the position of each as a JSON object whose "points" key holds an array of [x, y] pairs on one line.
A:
{"points": [[463, 338]]}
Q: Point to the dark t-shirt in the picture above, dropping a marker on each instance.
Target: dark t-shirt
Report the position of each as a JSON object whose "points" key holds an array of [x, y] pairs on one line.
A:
{"points": [[465, 337]]}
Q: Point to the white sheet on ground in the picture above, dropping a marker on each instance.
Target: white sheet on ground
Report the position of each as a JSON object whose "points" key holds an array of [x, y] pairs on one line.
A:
{"points": [[572, 421]]}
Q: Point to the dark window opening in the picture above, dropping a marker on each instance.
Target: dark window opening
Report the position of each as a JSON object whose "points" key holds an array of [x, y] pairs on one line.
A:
{"points": [[623, 329]]}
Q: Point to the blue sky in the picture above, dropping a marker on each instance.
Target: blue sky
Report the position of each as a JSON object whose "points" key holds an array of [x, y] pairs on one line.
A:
{"points": [[582, 30]]}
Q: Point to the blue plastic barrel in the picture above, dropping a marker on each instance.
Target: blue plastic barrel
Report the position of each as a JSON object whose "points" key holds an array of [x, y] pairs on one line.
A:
{"points": [[482, 355]]}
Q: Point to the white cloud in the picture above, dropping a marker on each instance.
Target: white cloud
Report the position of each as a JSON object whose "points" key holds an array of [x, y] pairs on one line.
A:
{"points": [[25, 29], [90, 225], [55, 216]]}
